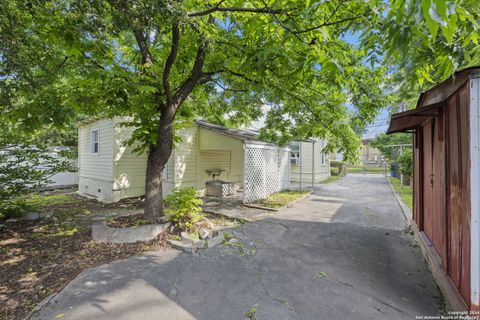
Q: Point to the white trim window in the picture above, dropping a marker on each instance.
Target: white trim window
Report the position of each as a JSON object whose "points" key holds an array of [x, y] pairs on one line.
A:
{"points": [[95, 141], [323, 158], [295, 153]]}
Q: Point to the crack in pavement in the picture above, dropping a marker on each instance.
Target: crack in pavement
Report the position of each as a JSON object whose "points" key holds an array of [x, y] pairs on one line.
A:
{"points": [[269, 294], [334, 280]]}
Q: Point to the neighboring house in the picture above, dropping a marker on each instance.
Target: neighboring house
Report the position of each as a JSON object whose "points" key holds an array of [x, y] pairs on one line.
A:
{"points": [[110, 171], [309, 163], [368, 153], [446, 206]]}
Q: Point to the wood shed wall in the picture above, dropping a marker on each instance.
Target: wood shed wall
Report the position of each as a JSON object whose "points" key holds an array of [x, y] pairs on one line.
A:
{"points": [[442, 187]]}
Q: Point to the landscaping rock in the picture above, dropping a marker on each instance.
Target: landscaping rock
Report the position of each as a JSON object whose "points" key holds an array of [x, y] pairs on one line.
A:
{"points": [[215, 241], [103, 233], [210, 224], [186, 247], [2, 226], [233, 241], [189, 239], [190, 245], [205, 233], [163, 219], [49, 218], [31, 216], [11, 220]]}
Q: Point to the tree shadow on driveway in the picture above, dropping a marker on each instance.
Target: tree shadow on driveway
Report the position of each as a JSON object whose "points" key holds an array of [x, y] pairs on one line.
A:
{"points": [[344, 258], [286, 269]]}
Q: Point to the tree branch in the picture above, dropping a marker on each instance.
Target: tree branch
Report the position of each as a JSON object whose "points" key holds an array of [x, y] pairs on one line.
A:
{"points": [[188, 85], [224, 88], [172, 56], [217, 8], [239, 75], [326, 24], [206, 77], [62, 63], [95, 63], [143, 46]]}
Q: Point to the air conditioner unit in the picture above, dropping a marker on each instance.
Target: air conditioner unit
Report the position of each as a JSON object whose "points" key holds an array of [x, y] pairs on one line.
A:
{"points": [[295, 161]]}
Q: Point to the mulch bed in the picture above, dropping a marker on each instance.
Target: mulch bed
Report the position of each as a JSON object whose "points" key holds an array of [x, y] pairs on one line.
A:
{"points": [[84, 204], [134, 220], [38, 258]]}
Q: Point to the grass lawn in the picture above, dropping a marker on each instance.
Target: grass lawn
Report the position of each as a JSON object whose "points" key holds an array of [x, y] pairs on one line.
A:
{"points": [[369, 168], [281, 199], [36, 200], [405, 192]]}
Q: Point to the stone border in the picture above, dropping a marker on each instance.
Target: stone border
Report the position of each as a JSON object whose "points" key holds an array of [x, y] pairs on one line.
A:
{"points": [[103, 233], [191, 246], [255, 206]]}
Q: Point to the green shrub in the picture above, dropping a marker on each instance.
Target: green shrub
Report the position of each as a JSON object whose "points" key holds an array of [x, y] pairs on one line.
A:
{"points": [[394, 167], [183, 207], [340, 166], [334, 171], [13, 209], [405, 162]]}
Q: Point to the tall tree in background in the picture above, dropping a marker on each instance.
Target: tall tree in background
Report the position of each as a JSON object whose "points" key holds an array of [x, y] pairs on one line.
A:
{"points": [[389, 145]]}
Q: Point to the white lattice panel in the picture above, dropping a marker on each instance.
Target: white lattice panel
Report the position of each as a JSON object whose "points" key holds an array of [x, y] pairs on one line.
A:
{"points": [[266, 171]]}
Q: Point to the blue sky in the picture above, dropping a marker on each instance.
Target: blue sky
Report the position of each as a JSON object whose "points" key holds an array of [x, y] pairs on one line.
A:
{"points": [[380, 124]]}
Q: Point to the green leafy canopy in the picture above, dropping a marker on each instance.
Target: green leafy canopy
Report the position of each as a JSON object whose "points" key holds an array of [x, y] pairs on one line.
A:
{"points": [[423, 42], [61, 59]]}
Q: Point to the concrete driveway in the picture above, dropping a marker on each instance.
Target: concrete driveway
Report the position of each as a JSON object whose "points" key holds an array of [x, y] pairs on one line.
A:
{"points": [[340, 254]]}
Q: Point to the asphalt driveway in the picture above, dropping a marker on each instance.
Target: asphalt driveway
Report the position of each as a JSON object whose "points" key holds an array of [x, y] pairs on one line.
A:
{"points": [[339, 254]]}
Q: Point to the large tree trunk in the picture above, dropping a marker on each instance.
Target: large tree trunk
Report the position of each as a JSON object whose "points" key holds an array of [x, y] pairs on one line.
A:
{"points": [[159, 153], [157, 159]]}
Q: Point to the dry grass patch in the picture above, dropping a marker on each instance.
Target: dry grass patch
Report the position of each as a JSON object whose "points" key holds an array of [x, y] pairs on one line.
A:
{"points": [[280, 199]]}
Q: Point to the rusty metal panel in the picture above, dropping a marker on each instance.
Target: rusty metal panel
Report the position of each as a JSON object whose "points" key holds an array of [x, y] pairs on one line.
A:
{"points": [[439, 219], [458, 190], [442, 201], [454, 186], [427, 180], [463, 99], [433, 186]]}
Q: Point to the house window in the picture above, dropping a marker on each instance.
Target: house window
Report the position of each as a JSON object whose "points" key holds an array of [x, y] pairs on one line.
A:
{"points": [[295, 153], [323, 158], [95, 139]]}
